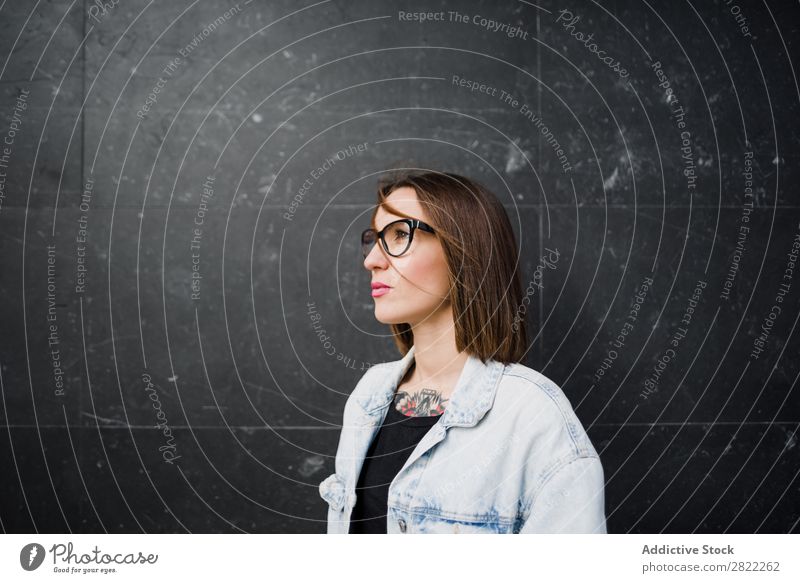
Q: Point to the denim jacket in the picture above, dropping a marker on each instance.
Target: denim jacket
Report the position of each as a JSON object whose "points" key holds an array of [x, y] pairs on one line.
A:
{"points": [[508, 455]]}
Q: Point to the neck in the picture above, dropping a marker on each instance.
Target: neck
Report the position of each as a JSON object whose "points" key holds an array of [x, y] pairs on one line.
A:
{"points": [[437, 362]]}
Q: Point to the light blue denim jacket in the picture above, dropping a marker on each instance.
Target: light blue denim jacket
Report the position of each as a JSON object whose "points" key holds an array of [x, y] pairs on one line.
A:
{"points": [[508, 455]]}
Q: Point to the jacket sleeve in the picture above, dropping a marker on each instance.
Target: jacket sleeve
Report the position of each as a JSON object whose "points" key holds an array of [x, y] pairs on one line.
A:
{"points": [[571, 500]]}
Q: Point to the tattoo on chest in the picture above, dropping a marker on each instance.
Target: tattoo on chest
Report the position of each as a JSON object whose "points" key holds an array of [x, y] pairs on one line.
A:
{"points": [[421, 403]]}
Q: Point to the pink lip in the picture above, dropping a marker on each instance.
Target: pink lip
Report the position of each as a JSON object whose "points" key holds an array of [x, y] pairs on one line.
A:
{"points": [[379, 291]]}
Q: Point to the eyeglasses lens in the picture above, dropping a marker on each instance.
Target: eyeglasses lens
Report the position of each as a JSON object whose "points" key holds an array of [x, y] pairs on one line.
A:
{"points": [[368, 239], [397, 238]]}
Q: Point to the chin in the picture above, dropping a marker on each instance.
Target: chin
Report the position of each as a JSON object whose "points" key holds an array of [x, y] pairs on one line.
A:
{"points": [[390, 316], [387, 319]]}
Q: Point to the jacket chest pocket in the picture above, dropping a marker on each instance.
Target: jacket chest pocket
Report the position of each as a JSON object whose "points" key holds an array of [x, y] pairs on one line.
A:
{"points": [[401, 522], [439, 524]]}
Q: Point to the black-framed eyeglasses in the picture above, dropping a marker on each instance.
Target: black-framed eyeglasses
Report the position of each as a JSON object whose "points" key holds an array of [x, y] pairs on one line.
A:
{"points": [[396, 236]]}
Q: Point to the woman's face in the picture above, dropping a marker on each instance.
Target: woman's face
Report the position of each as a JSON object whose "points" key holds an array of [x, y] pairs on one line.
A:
{"points": [[417, 279]]}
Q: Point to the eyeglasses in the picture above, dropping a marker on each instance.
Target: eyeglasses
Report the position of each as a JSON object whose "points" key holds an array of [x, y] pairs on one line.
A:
{"points": [[396, 236]]}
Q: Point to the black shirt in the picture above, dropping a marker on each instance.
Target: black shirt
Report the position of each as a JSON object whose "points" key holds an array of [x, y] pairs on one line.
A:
{"points": [[391, 447]]}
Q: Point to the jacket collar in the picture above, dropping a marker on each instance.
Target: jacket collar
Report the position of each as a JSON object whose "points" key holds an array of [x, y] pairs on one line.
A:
{"points": [[472, 397]]}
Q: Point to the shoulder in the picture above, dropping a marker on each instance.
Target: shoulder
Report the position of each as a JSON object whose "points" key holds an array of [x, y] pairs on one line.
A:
{"points": [[372, 384], [542, 411], [375, 376]]}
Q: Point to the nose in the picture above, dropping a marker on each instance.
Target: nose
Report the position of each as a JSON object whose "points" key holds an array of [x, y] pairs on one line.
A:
{"points": [[376, 259]]}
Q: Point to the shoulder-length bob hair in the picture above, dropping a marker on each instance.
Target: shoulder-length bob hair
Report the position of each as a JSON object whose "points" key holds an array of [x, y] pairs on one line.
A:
{"points": [[482, 261]]}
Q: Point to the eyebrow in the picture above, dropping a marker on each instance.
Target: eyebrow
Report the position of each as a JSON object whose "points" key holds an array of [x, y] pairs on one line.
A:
{"points": [[392, 221]]}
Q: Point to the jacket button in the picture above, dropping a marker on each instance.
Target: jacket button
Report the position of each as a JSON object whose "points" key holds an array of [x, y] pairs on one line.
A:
{"points": [[402, 524]]}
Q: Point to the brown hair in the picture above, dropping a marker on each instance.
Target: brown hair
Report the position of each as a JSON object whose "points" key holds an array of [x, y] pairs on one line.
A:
{"points": [[482, 259]]}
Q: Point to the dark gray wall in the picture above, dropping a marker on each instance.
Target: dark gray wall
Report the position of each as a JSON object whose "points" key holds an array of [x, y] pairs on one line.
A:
{"points": [[700, 439]]}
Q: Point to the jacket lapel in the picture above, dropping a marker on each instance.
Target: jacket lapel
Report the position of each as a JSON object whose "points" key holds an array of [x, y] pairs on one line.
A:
{"points": [[472, 397]]}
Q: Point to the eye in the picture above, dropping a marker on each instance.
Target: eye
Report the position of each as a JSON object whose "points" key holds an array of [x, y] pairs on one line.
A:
{"points": [[400, 234]]}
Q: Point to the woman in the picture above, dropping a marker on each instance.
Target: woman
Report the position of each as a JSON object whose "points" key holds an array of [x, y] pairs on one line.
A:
{"points": [[456, 436]]}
